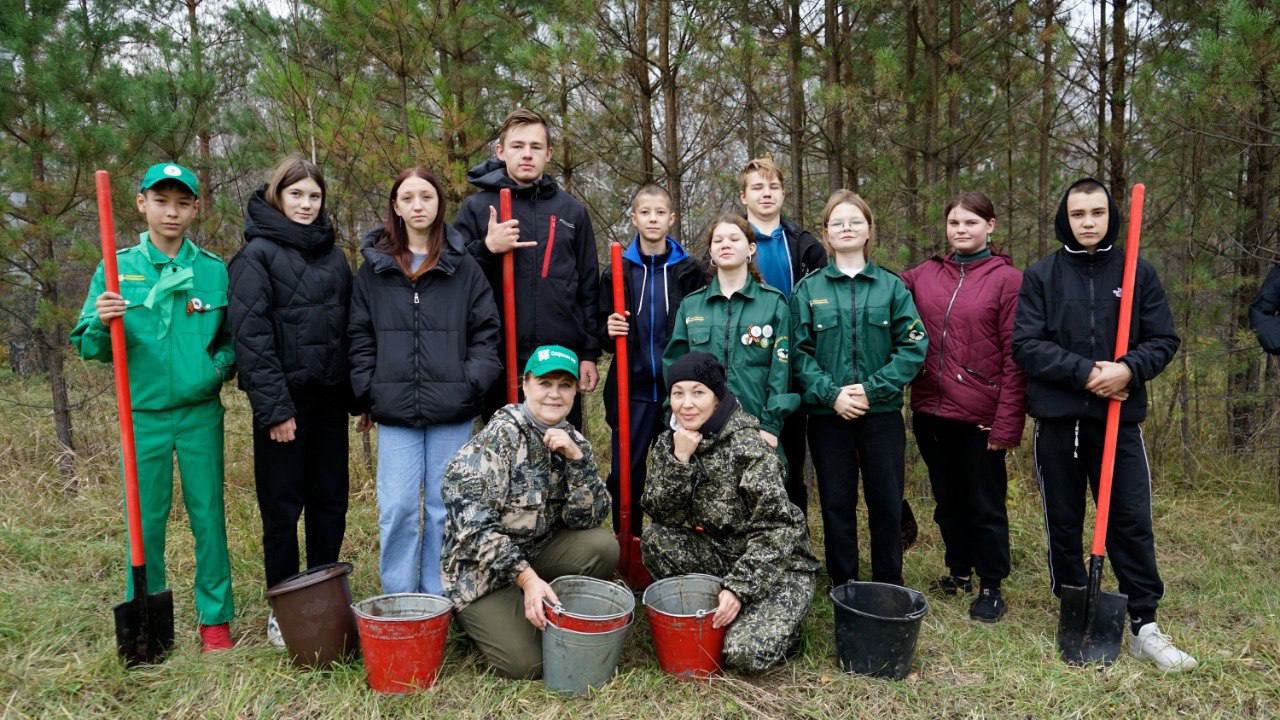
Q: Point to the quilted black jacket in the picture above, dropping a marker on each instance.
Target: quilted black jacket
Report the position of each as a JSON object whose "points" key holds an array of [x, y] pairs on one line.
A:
{"points": [[289, 291]]}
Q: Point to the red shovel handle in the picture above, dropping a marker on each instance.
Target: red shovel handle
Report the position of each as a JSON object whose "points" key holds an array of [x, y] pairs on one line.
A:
{"points": [[120, 365], [1127, 291], [509, 302], [623, 375]]}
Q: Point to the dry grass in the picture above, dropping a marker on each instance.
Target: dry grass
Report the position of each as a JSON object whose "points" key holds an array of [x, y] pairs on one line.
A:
{"points": [[62, 569]]}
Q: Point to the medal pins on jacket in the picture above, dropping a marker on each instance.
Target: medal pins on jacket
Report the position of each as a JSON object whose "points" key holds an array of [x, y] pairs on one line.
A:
{"points": [[195, 305], [758, 335]]}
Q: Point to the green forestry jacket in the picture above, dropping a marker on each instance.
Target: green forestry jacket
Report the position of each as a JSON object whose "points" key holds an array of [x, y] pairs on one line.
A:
{"points": [[178, 340], [749, 334], [883, 350]]}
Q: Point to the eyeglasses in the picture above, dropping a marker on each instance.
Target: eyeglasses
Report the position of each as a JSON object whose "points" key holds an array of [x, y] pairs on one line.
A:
{"points": [[851, 224]]}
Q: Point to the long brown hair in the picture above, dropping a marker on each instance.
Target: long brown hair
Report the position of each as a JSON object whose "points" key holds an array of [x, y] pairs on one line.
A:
{"points": [[291, 170], [739, 222], [395, 237]]}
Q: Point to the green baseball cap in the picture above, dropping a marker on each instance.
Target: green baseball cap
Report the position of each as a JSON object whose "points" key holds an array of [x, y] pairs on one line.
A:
{"points": [[552, 358], [170, 171]]}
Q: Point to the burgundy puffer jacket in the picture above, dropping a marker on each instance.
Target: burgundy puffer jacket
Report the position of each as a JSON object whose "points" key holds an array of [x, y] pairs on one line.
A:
{"points": [[969, 373]]}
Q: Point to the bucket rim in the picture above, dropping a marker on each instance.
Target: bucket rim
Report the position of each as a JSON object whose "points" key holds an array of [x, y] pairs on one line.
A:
{"points": [[559, 609], [644, 599], [355, 608], [621, 628], [913, 616], [309, 577]]}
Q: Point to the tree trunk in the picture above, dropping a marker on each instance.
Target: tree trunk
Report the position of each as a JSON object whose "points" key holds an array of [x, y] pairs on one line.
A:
{"points": [[640, 60], [52, 332], [1044, 127], [203, 135], [795, 83], [932, 70], [910, 151], [671, 114], [834, 110], [1120, 45], [1103, 66], [954, 68]]}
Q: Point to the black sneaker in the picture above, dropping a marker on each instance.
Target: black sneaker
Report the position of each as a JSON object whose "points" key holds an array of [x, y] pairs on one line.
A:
{"points": [[989, 607], [951, 585]]}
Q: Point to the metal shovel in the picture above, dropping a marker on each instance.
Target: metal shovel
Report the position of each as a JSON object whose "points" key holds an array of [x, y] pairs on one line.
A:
{"points": [[1091, 622], [144, 625]]}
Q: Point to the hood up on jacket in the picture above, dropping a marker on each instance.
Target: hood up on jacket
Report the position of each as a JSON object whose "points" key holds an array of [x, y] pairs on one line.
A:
{"points": [[264, 221], [492, 175], [375, 252], [1062, 226]]}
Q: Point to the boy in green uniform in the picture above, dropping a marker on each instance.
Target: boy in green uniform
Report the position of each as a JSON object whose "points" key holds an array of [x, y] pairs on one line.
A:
{"points": [[173, 297]]}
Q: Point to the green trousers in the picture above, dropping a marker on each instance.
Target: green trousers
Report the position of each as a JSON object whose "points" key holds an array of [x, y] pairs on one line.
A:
{"points": [[496, 622], [194, 433]]}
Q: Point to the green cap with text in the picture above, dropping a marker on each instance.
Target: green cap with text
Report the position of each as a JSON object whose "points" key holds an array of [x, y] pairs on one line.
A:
{"points": [[552, 358]]}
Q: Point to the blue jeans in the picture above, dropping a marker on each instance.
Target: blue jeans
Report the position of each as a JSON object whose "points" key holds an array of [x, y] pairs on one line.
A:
{"points": [[411, 463]]}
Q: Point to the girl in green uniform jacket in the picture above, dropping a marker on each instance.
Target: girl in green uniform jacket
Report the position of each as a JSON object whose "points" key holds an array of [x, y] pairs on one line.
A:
{"points": [[858, 342], [744, 323]]}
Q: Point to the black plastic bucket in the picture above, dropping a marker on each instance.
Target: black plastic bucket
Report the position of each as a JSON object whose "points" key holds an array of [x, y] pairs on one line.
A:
{"points": [[876, 627]]}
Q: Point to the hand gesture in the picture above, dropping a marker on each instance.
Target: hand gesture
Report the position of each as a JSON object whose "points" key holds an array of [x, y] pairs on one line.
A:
{"points": [[589, 376], [505, 236], [727, 610], [364, 423], [110, 306], [558, 441], [684, 442], [618, 325], [1109, 380], [284, 432], [535, 590], [769, 439]]}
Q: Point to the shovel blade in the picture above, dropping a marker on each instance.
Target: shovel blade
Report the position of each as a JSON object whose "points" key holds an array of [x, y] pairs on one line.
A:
{"points": [[1091, 625], [144, 628]]}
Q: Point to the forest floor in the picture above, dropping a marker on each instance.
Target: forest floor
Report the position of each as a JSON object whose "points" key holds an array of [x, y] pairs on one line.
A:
{"points": [[62, 565]]}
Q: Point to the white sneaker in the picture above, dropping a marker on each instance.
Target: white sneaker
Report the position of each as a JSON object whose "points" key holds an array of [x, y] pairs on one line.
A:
{"points": [[1152, 645], [273, 632]]}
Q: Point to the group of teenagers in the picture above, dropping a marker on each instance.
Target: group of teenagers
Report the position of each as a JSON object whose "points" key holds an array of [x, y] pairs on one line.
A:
{"points": [[774, 344]]}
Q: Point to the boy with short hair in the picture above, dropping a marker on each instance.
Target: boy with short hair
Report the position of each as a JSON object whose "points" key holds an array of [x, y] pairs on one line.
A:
{"points": [[785, 253], [1064, 339], [657, 275], [556, 270], [173, 297]]}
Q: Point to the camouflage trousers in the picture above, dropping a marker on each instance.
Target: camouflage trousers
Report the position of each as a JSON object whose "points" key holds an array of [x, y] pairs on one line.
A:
{"points": [[767, 629]]}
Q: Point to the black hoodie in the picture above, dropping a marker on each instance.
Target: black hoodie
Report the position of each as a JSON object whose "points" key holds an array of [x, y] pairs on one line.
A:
{"points": [[422, 352], [1068, 310], [557, 282], [289, 289]]}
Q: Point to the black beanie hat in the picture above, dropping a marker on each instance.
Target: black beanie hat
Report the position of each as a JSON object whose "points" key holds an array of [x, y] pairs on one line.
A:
{"points": [[701, 367]]}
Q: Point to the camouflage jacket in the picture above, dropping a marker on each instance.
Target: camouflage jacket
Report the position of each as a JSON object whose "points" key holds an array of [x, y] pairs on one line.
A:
{"points": [[505, 495], [732, 490]]}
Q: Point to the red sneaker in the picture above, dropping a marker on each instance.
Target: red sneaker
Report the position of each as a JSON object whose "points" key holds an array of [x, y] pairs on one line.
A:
{"points": [[216, 637]]}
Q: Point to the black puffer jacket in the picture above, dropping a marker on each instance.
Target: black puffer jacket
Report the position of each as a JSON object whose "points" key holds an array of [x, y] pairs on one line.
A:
{"points": [[557, 282], [289, 291], [1264, 313], [422, 353], [807, 253], [1068, 309]]}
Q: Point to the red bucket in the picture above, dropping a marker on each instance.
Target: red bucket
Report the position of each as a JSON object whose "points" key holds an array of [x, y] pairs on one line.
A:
{"points": [[589, 605], [680, 609], [403, 638]]}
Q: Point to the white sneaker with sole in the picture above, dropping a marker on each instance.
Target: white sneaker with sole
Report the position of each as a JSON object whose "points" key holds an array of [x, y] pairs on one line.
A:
{"points": [[1154, 646], [273, 631]]}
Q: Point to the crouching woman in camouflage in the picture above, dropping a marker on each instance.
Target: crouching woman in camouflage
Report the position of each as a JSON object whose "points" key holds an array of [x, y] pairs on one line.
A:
{"points": [[524, 505], [718, 505]]}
